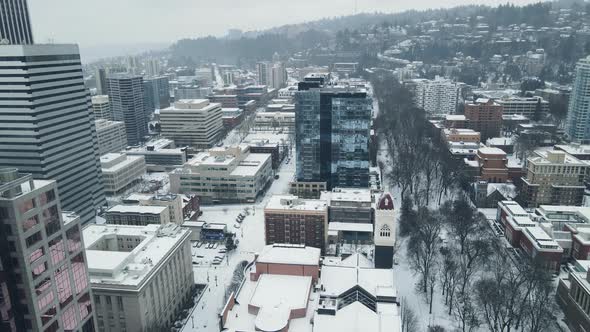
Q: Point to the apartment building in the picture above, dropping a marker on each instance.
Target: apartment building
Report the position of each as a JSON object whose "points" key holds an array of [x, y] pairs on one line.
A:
{"points": [[460, 135], [277, 121], [289, 219], [44, 283], [485, 116], [111, 136], [573, 296], [194, 123], [554, 178], [138, 215], [141, 276], [438, 96], [224, 175], [120, 171]]}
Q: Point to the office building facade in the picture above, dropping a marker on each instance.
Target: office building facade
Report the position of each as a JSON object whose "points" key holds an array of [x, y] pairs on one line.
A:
{"points": [[44, 283], [193, 123], [141, 276], [156, 94], [101, 107], [578, 116], [127, 104], [47, 125], [332, 136], [15, 23], [111, 136], [100, 76], [120, 171]]}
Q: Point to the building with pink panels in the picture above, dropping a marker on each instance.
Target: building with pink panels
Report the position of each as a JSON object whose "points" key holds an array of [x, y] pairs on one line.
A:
{"points": [[43, 276]]}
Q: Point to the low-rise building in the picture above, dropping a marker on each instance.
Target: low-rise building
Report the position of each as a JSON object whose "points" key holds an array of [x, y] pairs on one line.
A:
{"points": [[276, 144], [289, 219], [460, 135], [101, 107], [160, 155], [111, 136], [307, 189], [137, 215], [141, 276], [527, 106], [224, 175], [554, 178], [232, 117], [493, 165], [349, 205], [573, 296], [524, 233], [173, 201], [195, 123], [119, 171], [274, 121]]}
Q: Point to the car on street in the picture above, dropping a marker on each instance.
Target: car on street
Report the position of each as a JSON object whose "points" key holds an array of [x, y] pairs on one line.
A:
{"points": [[237, 226]]}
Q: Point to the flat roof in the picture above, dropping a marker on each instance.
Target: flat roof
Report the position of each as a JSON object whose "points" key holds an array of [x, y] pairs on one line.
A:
{"points": [[125, 161], [275, 306], [251, 165], [350, 227], [290, 254], [138, 209], [291, 202], [348, 195], [129, 269], [487, 150]]}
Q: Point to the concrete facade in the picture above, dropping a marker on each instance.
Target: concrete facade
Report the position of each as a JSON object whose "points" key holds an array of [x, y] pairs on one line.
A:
{"points": [[194, 123], [120, 171], [111, 136]]}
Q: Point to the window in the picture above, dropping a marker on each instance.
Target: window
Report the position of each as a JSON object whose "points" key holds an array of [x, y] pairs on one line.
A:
{"points": [[30, 223], [26, 206], [56, 250], [79, 271], [73, 236], [385, 231], [64, 288], [33, 239], [47, 197], [69, 319]]}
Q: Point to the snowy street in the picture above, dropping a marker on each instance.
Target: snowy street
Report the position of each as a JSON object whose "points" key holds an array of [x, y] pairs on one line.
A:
{"points": [[251, 237]]}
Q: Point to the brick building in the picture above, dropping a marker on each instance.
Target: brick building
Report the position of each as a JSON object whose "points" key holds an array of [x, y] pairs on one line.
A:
{"points": [[289, 219], [484, 116]]}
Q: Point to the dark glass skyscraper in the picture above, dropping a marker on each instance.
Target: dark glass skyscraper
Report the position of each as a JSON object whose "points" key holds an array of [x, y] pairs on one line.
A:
{"points": [[15, 25], [332, 135], [127, 104], [156, 94]]}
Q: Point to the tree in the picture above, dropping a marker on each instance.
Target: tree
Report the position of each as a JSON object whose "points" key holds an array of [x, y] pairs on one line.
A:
{"points": [[424, 245], [466, 312], [229, 242], [409, 319], [407, 219], [538, 111]]}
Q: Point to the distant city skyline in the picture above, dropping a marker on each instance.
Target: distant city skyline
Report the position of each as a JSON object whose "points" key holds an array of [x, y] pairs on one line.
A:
{"points": [[95, 23]]}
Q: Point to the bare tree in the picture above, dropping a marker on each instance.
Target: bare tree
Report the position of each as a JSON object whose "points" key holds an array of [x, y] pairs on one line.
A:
{"points": [[409, 319], [465, 312], [424, 245]]}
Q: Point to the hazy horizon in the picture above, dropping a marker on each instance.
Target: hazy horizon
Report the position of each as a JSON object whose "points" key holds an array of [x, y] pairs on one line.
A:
{"points": [[106, 24]]}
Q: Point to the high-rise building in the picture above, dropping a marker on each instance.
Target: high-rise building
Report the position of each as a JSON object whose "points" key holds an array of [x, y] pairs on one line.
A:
{"points": [[278, 75], [152, 67], [156, 94], [553, 178], [264, 72], [100, 75], [578, 115], [438, 96], [332, 135], [127, 104], [191, 92], [44, 284], [195, 123], [47, 125], [101, 107], [484, 116], [15, 24]]}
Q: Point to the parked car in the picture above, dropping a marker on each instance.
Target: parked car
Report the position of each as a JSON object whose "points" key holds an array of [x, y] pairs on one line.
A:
{"points": [[222, 251], [215, 245], [237, 226]]}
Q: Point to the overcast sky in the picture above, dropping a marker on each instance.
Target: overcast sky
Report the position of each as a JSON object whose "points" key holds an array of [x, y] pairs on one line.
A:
{"points": [[97, 22]]}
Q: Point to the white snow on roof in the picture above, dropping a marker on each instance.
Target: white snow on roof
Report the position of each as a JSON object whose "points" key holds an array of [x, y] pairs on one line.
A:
{"points": [[351, 227], [276, 296], [357, 317], [291, 202], [290, 254], [138, 209]]}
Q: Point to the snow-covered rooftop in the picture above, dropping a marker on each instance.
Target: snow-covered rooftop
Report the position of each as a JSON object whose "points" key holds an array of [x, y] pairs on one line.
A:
{"points": [[111, 263], [348, 195], [350, 227], [290, 254], [291, 202], [138, 209]]}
